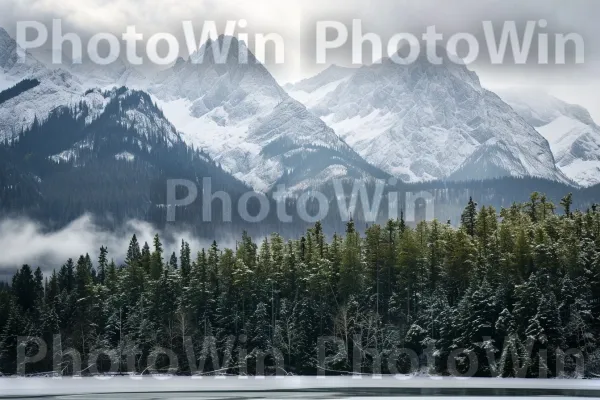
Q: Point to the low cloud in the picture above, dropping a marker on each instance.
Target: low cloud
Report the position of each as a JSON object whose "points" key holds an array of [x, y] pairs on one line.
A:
{"points": [[24, 241]]}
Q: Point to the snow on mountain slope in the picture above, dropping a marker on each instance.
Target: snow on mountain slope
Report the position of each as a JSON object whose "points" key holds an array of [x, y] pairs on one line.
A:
{"points": [[576, 147], [539, 109], [115, 74], [493, 159], [6, 82], [573, 136], [236, 111], [313, 90], [57, 87], [11, 69], [424, 121], [119, 115], [240, 115]]}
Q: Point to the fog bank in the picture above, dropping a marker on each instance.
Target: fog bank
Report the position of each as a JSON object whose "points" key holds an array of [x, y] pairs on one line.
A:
{"points": [[24, 241]]}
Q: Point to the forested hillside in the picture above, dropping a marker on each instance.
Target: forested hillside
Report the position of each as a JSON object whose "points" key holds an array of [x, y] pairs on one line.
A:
{"points": [[17, 89], [521, 281]]}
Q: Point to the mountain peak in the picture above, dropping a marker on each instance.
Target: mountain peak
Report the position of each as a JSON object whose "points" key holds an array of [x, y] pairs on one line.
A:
{"points": [[423, 120], [9, 60], [4, 33], [229, 49], [7, 47], [219, 69]]}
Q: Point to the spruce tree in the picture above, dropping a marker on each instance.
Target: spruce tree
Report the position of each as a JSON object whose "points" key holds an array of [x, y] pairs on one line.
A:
{"points": [[133, 252], [102, 264], [469, 217]]}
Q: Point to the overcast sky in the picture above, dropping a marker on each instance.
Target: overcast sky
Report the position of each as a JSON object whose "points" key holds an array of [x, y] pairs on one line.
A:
{"points": [[295, 21]]}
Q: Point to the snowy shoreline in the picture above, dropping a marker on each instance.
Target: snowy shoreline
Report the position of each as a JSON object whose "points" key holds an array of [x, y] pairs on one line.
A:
{"points": [[19, 386]]}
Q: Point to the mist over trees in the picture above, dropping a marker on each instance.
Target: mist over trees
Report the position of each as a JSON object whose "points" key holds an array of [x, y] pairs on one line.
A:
{"points": [[513, 292]]}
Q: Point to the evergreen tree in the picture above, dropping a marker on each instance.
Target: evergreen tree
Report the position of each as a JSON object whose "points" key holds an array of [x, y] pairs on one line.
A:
{"points": [[102, 264], [133, 253], [566, 202], [513, 290], [173, 261], [469, 217], [146, 259], [156, 260], [185, 258]]}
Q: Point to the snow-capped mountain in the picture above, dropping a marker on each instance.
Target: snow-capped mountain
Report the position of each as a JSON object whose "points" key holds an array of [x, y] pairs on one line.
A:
{"points": [[11, 70], [116, 74], [57, 87], [110, 155], [131, 112], [539, 108], [424, 121], [313, 90], [573, 135], [236, 111], [240, 115], [119, 124], [417, 122], [99, 75]]}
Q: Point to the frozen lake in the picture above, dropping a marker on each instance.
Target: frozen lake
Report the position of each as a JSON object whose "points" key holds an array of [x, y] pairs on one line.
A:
{"points": [[166, 387]]}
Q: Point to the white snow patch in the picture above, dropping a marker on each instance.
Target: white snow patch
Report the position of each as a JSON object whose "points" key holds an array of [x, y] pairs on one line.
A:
{"points": [[314, 98], [6, 82], [64, 156], [125, 155], [576, 148], [586, 173], [227, 143], [561, 133]]}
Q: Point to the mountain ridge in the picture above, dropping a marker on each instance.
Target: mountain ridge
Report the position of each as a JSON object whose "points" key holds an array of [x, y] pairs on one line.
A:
{"points": [[235, 111], [573, 135], [422, 121], [417, 122]]}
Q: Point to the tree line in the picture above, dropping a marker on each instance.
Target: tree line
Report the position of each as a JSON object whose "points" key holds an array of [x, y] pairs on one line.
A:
{"points": [[512, 292]]}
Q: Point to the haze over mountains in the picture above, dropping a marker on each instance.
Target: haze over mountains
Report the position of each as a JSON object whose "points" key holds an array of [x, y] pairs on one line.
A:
{"points": [[416, 123]]}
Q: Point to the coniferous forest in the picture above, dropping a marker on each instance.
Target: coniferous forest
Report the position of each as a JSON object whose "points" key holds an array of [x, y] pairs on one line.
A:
{"points": [[511, 292]]}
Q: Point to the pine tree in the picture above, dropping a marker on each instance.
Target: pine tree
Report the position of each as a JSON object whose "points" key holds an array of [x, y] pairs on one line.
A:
{"points": [[469, 217], [173, 261], [146, 259], [133, 253], [156, 259], [518, 289], [185, 257], [545, 330], [52, 290], [66, 276], [567, 202], [350, 268], [102, 264], [24, 288], [38, 279]]}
